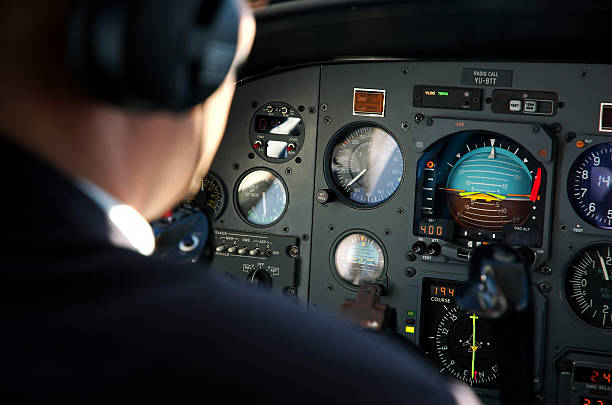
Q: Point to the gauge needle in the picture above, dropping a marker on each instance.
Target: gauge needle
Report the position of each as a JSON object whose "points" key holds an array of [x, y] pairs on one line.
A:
{"points": [[264, 204], [357, 177], [474, 346], [536, 185], [603, 266]]}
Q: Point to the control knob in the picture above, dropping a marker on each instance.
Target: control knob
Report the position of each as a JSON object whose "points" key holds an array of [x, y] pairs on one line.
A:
{"points": [[259, 278]]}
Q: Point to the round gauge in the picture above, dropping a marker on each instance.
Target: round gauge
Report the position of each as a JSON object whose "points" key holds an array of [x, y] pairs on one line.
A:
{"points": [[464, 347], [490, 186], [589, 185], [366, 164], [359, 258], [588, 285], [261, 197], [211, 196]]}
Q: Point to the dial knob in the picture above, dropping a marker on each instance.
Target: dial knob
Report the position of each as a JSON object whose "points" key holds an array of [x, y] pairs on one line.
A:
{"points": [[259, 278], [419, 247]]}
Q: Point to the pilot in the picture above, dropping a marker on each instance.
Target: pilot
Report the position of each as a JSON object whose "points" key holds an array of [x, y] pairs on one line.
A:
{"points": [[87, 314]]}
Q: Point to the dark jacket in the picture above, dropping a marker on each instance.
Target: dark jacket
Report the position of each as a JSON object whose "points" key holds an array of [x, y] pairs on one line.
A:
{"points": [[88, 321]]}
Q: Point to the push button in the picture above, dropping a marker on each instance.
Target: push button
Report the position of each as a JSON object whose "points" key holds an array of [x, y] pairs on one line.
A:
{"points": [[530, 106], [516, 105]]}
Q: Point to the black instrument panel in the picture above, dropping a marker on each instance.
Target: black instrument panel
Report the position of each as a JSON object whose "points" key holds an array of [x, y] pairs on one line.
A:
{"points": [[375, 185]]}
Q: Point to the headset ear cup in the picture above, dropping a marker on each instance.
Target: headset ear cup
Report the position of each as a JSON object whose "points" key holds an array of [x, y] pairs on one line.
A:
{"points": [[153, 54]]}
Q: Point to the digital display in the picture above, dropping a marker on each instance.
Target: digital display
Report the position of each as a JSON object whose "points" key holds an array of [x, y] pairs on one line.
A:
{"points": [[591, 375], [369, 102], [439, 290], [601, 179], [439, 228], [594, 401], [267, 124], [605, 123], [457, 98]]}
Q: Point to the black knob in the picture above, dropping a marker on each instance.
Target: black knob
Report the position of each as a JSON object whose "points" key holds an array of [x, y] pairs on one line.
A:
{"points": [[433, 249], [259, 278], [325, 196], [419, 247]]}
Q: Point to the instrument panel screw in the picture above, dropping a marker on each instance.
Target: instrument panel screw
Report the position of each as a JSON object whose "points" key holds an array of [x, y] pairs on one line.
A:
{"points": [[405, 70], [545, 269], [332, 228], [254, 104], [428, 121], [411, 256], [387, 232], [330, 287], [291, 291], [405, 126], [539, 398], [311, 110], [535, 129], [570, 136], [400, 211], [583, 73], [285, 229], [410, 272], [418, 118], [236, 166], [544, 287], [327, 120], [555, 127], [288, 171], [305, 237], [294, 251], [323, 107]]}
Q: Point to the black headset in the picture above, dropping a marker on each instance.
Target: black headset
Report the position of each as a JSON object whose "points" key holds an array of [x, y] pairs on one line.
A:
{"points": [[152, 54]]}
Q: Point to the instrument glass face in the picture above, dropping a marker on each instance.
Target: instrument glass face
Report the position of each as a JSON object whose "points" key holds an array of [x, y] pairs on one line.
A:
{"points": [[589, 185], [477, 186], [211, 197], [366, 165], [359, 258], [588, 285], [262, 197], [460, 343]]}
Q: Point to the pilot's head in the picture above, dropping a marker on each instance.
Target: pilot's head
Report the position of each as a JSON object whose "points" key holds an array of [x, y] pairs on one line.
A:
{"points": [[149, 158]]}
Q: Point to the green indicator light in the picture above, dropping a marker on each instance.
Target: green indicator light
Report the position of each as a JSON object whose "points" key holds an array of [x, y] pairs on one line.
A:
{"points": [[409, 313], [443, 93]]}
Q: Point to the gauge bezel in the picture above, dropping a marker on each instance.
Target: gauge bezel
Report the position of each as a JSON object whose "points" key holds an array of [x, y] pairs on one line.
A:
{"points": [[237, 204], [223, 190], [329, 177], [565, 298], [581, 156], [255, 136], [332, 258]]}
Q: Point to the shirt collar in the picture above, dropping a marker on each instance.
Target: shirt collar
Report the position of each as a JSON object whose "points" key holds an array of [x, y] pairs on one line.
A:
{"points": [[135, 232]]}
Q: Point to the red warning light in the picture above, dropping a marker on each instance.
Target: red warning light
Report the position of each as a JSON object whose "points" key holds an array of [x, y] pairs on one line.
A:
{"points": [[431, 164]]}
